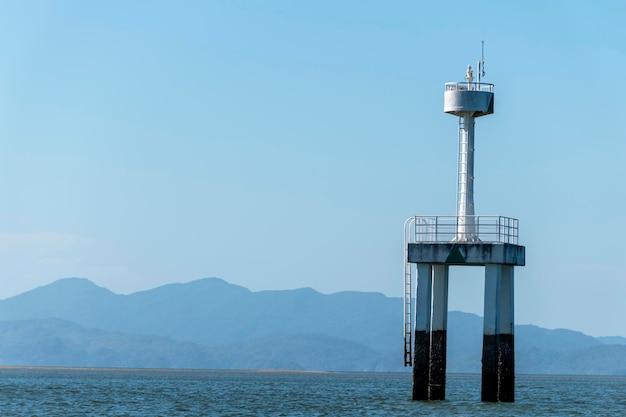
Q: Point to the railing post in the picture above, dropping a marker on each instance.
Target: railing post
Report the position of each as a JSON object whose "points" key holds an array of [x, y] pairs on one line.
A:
{"points": [[507, 229]]}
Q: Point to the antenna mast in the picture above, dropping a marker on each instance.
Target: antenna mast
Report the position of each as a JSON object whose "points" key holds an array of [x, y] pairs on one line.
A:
{"points": [[481, 63]]}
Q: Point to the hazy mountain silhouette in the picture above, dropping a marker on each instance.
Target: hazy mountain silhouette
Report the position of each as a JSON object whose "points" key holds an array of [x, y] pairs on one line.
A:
{"points": [[212, 312], [210, 323], [612, 340]]}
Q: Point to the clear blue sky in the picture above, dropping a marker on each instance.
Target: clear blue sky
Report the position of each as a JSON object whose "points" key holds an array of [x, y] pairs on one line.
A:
{"points": [[282, 144]]}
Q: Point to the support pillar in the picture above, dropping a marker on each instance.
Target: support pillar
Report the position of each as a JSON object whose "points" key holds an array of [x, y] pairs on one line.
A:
{"points": [[498, 371], [429, 363], [439, 326], [421, 358]]}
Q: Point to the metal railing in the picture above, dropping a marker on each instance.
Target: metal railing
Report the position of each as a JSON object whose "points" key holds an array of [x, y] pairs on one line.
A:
{"points": [[465, 86], [489, 229]]}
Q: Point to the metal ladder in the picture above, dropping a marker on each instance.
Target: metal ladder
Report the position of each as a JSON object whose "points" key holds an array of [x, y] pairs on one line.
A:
{"points": [[408, 314], [410, 229], [461, 172]]}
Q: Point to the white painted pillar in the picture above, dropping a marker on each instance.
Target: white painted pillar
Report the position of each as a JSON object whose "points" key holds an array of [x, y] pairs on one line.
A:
{"points": [[493, 279], [424, 297], [440, 298]]}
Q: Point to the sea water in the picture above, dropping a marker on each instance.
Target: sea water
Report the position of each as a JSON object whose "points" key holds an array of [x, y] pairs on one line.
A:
{"points": [[121, 392]]}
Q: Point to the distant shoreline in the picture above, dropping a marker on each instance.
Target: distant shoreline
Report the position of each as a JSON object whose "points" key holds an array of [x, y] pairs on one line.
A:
{"points": [[190, 370]]}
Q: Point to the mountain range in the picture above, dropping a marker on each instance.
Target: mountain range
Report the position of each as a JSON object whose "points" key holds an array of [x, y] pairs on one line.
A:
{"points": [[211, 324]]}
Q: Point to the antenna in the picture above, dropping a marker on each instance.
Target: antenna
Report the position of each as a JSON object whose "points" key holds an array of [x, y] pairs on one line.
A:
{"points": [[481, 63]]}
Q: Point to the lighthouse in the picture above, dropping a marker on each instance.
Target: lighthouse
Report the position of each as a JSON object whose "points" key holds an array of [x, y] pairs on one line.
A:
{"points": [[434, 243], [468, 101]]}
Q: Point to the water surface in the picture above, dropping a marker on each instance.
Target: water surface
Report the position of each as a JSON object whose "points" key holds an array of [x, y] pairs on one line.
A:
{"points": [[115, 392]]}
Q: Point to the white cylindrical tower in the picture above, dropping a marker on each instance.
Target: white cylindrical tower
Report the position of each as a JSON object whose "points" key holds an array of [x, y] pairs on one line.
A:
{"points": [[467, 100]]}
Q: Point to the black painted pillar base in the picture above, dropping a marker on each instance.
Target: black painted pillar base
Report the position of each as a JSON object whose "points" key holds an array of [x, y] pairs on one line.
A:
{"points": [[421, 365], [429, 366], [489, 389], [437, 384], [498, 373], [506, 373]]}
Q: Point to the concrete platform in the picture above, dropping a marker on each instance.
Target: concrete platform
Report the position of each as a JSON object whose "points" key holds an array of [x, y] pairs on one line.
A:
{"points": [[472, 253]]}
